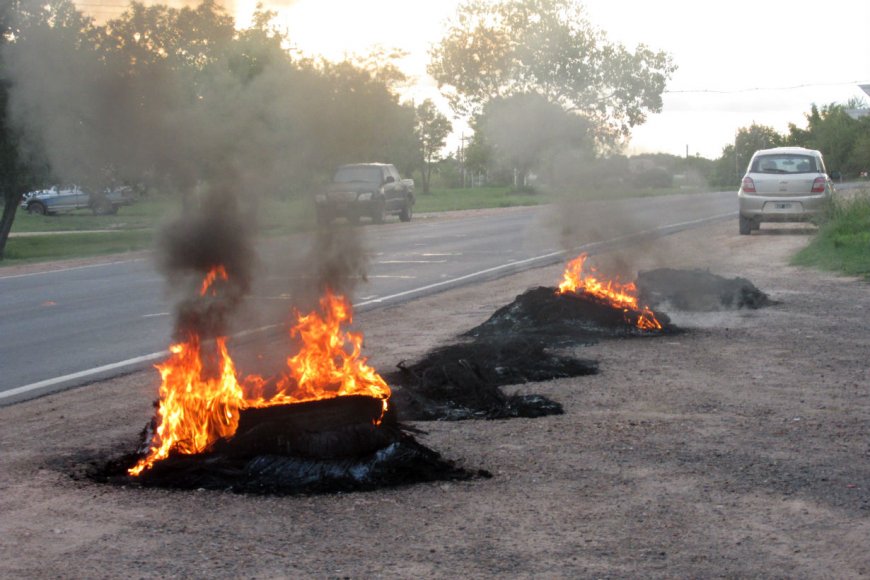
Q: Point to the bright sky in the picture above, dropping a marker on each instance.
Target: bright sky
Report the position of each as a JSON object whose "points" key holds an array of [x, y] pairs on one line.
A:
{"points": [[740, 61]]}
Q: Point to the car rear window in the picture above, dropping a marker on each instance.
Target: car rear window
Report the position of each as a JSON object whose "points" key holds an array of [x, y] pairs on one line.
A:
{"points": [[358, 173], [785, 163]]}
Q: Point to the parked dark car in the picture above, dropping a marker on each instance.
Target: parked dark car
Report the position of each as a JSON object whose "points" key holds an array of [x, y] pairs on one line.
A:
{"points": [[372, 190], [63, 199]]}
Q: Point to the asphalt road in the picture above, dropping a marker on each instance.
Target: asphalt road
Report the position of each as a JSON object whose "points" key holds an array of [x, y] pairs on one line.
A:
{"points": [[71, 326]]}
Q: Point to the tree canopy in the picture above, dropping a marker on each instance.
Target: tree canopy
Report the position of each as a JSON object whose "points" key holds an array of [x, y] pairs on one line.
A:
{"points": [[527, 132], [432, 128], [501, 48], [843, 140], [180, 98]]}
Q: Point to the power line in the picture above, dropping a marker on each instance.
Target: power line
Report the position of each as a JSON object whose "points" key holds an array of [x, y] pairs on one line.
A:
{"points": [[759, 89]]}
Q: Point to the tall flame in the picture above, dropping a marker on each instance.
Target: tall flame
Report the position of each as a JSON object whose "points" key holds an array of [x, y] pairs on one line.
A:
{"points": [[624, 296], [201, 397]]}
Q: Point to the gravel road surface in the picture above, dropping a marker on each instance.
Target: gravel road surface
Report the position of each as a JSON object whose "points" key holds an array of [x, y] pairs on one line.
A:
{"points": [[739, 449]]}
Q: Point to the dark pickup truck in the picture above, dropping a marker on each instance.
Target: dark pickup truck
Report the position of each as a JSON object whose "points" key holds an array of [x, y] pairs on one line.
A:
{"points": [[372, 190]]}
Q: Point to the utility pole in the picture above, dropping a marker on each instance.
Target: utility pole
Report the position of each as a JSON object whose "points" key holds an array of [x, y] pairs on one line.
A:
{"points": [[736, 159], [462, 140]]}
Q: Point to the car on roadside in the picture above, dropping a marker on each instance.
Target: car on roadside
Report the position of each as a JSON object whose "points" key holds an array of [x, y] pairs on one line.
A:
{"points": [[784, 184], [69, 198], [372, 190]]}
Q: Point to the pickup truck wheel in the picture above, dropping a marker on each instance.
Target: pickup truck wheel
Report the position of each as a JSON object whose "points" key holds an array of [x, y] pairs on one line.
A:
{"points": [[37, 208], [407, 212], [324, 218], [379, 213]]}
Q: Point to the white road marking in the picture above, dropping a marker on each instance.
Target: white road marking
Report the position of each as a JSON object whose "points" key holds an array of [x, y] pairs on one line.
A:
{"points": [[365, 302], [82, 374], [70, 269], [412, 262], [158, 314]]}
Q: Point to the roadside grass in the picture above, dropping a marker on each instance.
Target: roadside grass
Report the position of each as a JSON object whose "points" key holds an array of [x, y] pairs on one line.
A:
{"points": [[29, 249], [475, 198], [144, 214], [134, 227], [843, 242]]}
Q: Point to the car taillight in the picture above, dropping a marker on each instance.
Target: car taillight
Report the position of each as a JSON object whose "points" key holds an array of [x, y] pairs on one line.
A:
{"points": [[818, 185], [748, 185]]}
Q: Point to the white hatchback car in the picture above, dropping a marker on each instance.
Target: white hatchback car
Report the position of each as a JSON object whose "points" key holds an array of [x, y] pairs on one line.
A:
{"points": [[785, 184]]}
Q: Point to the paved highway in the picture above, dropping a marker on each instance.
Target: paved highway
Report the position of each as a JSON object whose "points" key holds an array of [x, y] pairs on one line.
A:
{"points": [[71, 326]]}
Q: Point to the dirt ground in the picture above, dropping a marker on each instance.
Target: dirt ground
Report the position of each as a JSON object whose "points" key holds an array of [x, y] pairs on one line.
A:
{"points": [[739, 448]]}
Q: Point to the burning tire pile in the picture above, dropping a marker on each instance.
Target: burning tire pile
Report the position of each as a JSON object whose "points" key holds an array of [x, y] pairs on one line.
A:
{"points": [[331, 423], [338, 444]]}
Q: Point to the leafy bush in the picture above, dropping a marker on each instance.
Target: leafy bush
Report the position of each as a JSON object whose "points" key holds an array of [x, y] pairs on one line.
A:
{"points": [[843, 242]]}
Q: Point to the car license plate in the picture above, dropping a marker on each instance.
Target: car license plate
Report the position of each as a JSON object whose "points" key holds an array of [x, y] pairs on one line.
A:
{"points": [[782, 206]]}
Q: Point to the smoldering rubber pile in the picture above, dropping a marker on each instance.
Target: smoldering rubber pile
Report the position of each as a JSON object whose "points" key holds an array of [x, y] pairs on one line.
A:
{"points": [[534, 338], [322, 446], [347, 443]]}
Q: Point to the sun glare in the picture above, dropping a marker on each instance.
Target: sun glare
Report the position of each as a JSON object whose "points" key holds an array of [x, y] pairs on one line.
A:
{"points": [[244, 13]]}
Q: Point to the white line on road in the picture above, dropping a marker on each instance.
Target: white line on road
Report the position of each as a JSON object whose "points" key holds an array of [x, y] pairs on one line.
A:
{"points": [[116, 262], [82, 374], [412, 262], [158, 314], [423, 289]]}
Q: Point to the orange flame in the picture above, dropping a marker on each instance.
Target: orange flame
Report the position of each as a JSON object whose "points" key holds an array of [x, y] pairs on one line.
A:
{"points": [[200, 400], [215, 273], [623, 296]]}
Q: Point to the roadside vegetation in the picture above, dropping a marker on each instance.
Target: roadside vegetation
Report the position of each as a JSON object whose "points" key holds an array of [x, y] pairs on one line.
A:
{"points": [[80, 234], [538, 132], [296, 118], [843, 243]]}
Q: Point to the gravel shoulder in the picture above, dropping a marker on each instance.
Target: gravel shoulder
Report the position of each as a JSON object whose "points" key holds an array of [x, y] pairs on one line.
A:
{"points": [[739, 448]]}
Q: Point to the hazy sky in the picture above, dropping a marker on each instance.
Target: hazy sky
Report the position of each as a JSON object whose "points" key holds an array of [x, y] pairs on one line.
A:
{"points": [[739, 61]]}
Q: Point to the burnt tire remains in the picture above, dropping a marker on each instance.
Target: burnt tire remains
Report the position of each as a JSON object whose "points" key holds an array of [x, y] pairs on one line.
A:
{"points": [[325, 446]]}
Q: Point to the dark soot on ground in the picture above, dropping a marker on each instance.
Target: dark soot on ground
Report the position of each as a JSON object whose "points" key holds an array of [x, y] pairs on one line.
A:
{"points": [[519, 343], [698, 291], [462, 380], [323, 446]]}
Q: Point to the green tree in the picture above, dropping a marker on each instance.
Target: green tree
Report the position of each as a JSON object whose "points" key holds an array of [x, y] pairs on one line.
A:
{"points": [[22, 167], [527, 133], [751, 139], [181, 99], [728, 170], [837, 135], [432, 129], [12, 185], [497, 49]]}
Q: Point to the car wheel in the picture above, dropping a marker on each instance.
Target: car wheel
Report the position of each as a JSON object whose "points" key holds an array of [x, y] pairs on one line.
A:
{"points": [[353, 217], [756, 225], [379, 213], [36, 208], [407, 211], [102, 208], [745, 226]]}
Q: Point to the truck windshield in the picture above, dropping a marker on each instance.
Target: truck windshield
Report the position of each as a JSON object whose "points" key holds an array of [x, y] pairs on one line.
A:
{"points": [[357, 173]]}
